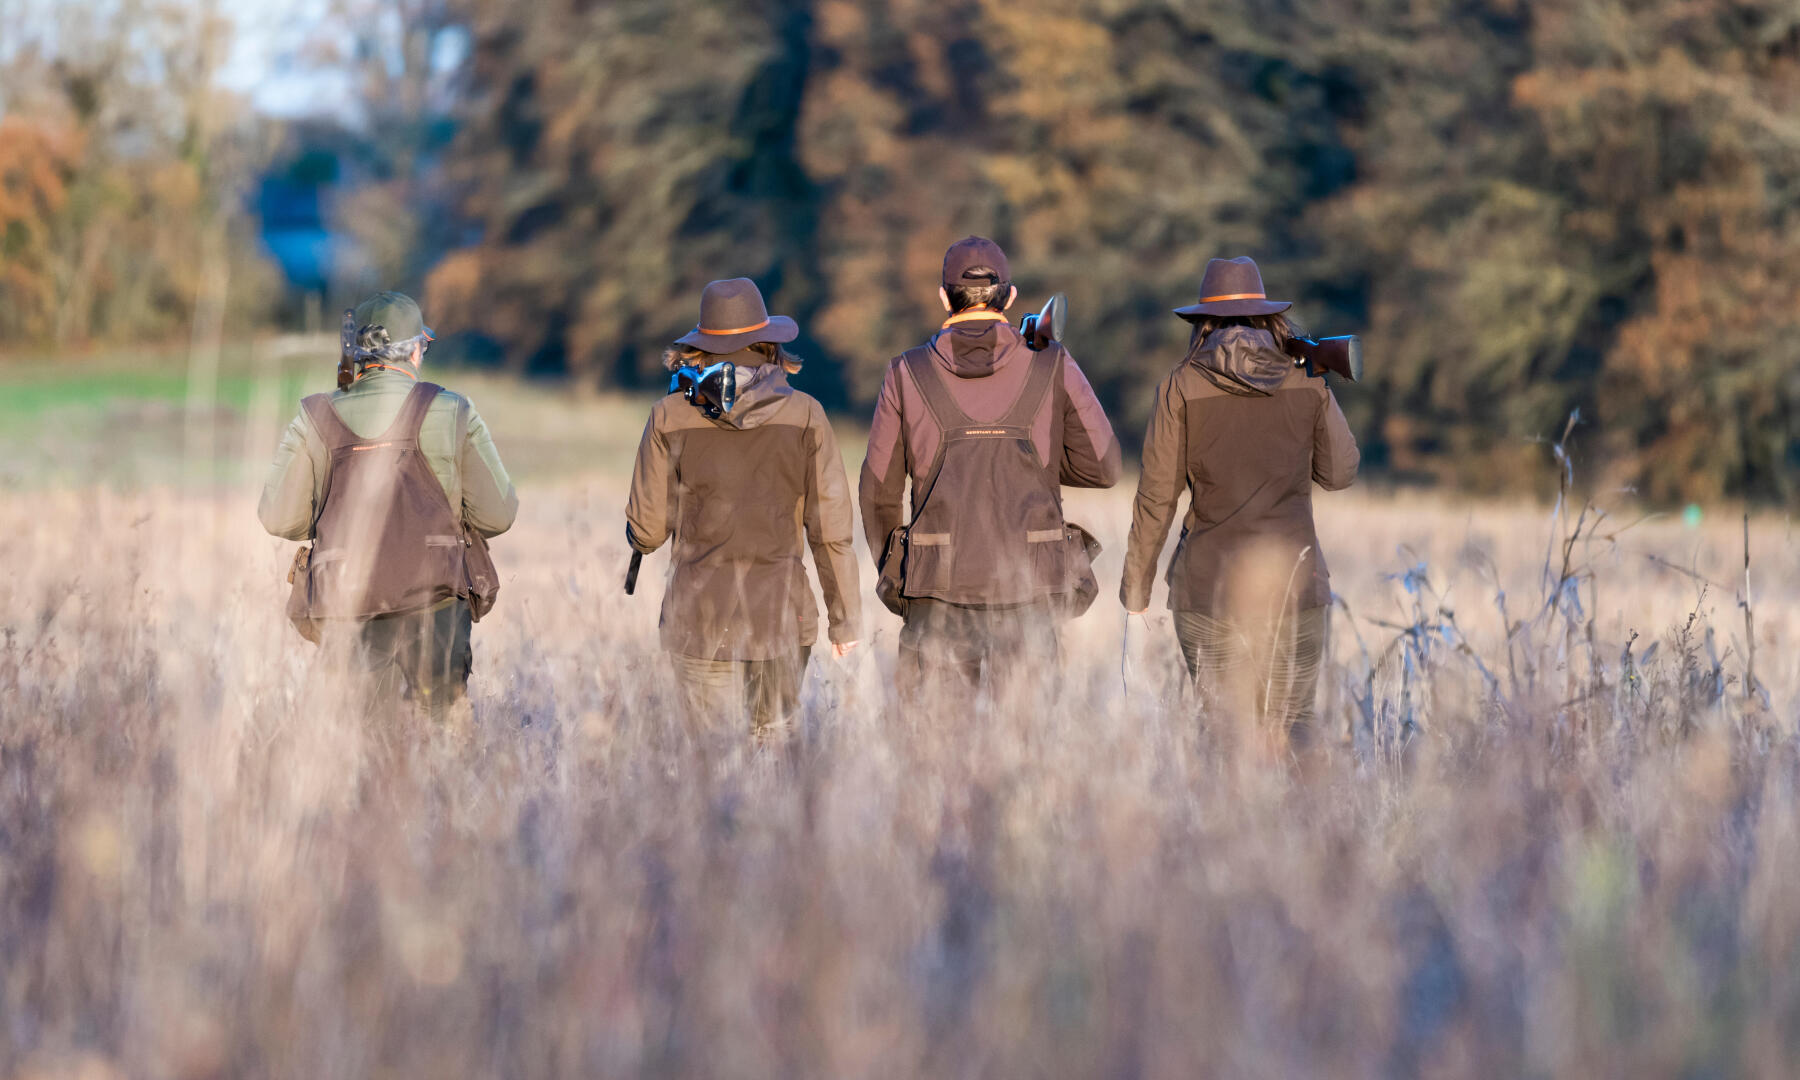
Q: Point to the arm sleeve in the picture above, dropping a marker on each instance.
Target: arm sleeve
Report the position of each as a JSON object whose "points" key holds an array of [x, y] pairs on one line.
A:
{"points": [[1159, 489], [1335, 456], [290, 493], [881, 489], [647, 507], [489, 502], [831, 531], [1091, 457]]}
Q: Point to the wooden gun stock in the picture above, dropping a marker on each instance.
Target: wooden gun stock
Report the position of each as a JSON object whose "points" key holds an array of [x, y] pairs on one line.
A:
{"points": [[1342, 356], [346, 369]]}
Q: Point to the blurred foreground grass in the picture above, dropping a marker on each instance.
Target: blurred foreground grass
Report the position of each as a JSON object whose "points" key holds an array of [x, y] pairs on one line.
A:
{"points": [[1553, 835]]}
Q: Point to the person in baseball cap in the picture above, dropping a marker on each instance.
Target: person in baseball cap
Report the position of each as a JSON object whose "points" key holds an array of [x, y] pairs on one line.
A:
{"points": [[397, 483], [986, 431]]}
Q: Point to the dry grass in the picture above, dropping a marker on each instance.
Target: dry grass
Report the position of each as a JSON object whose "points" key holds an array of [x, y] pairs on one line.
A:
{"points": [[1576, 864]]}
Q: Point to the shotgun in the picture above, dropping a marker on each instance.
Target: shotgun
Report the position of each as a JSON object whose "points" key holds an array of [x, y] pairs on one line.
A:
{"points": [[1341, 356], [346, 370], [1047, 325]]}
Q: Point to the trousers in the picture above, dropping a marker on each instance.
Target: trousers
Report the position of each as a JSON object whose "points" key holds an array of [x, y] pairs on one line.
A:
{"points": [[427, 651], [1266, 669], [957, 650], [765, 693]]}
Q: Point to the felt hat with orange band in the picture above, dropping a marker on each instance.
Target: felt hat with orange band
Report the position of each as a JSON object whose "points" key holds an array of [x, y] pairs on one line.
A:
{"points": [[1232, 287], [733, 315]]}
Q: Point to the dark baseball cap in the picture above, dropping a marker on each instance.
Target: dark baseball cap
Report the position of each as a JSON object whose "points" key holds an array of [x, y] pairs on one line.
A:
{"points": [[976, 260], [397, 312]]}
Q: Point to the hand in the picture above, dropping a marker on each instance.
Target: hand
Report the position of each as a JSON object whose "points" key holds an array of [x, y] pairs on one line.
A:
{"points": [[841, 650]]}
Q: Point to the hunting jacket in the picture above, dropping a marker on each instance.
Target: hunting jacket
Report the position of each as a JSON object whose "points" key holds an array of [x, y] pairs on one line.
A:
{"points": [[1247, 434], [984, 363], [742, 496], [455, 441]]}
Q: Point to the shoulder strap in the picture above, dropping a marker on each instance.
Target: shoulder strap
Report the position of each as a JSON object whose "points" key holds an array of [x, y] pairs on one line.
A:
{"points": [[326, 422], [1044, 366], [411, 417], [930, 382]]}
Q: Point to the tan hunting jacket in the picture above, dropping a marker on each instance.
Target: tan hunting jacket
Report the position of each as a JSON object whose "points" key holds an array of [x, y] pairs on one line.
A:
{"points": [[456, 443], [743, 497]]}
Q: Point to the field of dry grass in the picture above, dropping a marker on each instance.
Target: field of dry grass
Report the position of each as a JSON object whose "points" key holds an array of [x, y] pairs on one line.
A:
{"points": [[1554, 835]]}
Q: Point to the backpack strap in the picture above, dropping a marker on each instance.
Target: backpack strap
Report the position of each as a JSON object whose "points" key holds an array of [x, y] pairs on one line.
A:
{"points": [[406, 424], [1044, 366], [411, 417], [327, 423], [930, 382]]}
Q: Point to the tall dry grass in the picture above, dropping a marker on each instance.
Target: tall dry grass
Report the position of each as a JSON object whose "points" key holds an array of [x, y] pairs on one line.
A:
{"points": [[1553, 836]]}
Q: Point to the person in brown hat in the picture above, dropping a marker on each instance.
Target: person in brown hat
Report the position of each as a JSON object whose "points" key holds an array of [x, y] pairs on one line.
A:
{"points": [[1246, 433], [395, 481], [743, 493], [987, 432]]}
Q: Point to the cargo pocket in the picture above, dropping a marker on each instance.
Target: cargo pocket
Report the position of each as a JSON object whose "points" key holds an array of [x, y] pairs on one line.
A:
{"points": [[929, 564], [890, 579], [1064, 559]]}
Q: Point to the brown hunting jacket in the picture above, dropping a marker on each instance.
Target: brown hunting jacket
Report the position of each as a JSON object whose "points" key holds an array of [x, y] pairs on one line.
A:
{"points": [[743, 496], [1247, 434], [984, 363]]}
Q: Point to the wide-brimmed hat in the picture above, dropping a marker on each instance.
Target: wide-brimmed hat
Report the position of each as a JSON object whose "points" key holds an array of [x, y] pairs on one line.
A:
{"points": [[1232, 287], [733, 315]]}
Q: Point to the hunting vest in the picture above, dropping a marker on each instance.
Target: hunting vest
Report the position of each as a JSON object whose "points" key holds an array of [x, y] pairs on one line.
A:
{"points": [[987, 527], [386, 540]]}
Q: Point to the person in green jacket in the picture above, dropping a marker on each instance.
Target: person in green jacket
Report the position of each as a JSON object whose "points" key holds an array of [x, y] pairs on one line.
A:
{"points": [[428, 646]]}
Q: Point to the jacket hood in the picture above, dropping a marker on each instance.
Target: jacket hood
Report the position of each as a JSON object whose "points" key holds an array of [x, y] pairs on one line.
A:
{"points": [[1243, 361], [761, 391], [974, 349]]}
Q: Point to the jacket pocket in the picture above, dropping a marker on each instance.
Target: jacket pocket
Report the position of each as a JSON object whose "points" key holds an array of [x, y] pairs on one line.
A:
{"points": [[1064, 563], [890, 580]]}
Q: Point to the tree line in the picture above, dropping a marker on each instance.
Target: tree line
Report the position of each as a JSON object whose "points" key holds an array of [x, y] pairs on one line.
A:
{"points": [[1528, 207]]}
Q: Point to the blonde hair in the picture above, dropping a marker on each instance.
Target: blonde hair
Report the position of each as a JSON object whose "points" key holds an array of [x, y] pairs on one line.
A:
{"points": [[679, 355]]}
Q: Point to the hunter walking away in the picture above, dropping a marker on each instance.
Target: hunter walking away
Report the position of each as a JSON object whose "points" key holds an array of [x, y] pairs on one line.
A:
{"points": [[579, 539]]}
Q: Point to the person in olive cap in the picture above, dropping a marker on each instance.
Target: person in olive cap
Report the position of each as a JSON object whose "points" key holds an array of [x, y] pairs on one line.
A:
{"points": [[396, 481], [743, 493], [988, 432]]}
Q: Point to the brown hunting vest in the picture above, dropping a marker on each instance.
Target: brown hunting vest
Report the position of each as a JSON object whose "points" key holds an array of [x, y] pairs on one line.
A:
{"points": [[386, 540], [987, 527]]}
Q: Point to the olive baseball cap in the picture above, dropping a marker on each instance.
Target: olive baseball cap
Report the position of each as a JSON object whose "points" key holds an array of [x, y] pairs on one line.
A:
{"points": [[397, 312], [976, 260]]}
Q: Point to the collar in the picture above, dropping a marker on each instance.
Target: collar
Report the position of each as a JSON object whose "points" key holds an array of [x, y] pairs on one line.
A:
{"points": [[974, 316], [386, 367]]}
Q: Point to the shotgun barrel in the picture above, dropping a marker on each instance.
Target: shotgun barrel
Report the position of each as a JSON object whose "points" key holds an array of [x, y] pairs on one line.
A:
{"points": [[1047, 325], [631, 572]]}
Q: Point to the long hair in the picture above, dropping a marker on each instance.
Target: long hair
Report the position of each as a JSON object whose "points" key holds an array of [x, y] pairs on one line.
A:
{"points": [[1283, 328], [679, 355]]}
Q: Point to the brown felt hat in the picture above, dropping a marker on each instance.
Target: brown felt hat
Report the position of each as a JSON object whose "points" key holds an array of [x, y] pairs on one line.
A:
{"points": [[1232, 287], [976, 260], [733, 315]]}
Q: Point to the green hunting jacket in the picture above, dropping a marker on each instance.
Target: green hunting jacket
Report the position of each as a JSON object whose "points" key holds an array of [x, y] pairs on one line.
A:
{"points": [[469, 470]]}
